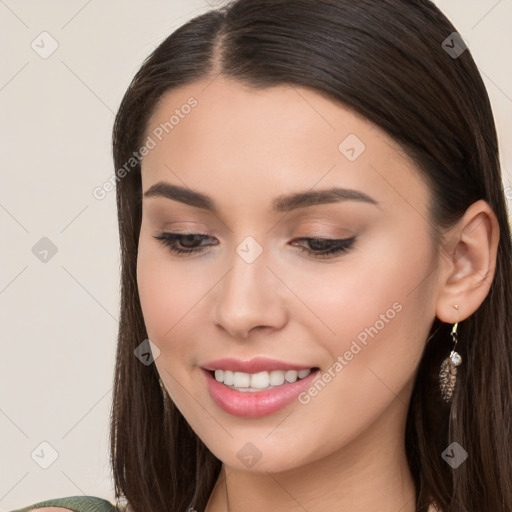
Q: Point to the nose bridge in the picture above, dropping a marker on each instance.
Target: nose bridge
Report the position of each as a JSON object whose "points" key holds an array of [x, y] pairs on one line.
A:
{"points": [[249, 293]]}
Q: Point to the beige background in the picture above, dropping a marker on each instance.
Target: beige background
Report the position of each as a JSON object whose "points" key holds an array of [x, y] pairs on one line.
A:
{"points": [[59, 318]]}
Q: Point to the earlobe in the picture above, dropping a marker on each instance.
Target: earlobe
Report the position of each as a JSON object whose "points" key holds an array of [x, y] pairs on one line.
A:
{"points": [[468, 267]]}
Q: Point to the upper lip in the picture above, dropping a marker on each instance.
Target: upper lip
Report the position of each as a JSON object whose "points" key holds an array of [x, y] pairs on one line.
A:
{"points": [[258, 364]]}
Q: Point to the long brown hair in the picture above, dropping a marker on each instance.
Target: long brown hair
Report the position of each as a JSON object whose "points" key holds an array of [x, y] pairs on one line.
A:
{"points": [[385, 59]]}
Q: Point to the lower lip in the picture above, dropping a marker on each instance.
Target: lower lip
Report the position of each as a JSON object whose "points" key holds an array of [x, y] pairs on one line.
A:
{"points": [[258, 403]]}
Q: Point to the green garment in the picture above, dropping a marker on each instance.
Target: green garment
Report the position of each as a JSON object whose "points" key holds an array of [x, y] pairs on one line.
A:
{"points": [[76, 503]]}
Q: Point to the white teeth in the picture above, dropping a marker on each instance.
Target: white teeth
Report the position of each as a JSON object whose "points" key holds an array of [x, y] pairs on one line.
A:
{"points": [[276, 378], [290, 376], [241, 380], [257, 381]]}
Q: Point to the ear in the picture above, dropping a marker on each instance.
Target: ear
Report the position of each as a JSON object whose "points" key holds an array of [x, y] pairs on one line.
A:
{"points": [[467, 263]]}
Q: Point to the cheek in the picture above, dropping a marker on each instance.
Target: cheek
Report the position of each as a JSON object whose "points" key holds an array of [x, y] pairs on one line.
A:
{"points": [[371, 310], [174, 297], [166, 295], [366, 287], [166, 292]]}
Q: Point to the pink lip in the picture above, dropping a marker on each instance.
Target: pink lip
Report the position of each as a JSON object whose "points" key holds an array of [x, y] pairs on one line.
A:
{"points": [[258, 364], [259, 403]]}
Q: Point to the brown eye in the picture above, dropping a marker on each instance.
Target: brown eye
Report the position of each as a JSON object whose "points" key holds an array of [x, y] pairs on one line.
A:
{"points": [[189, 242], [321, 247]]}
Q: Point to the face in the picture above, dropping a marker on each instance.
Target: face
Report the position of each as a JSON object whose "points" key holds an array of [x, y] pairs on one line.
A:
{"points": [[343, 282]]}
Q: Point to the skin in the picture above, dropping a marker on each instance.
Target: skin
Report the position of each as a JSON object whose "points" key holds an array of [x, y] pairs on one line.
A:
{"points": [[244, 148]]}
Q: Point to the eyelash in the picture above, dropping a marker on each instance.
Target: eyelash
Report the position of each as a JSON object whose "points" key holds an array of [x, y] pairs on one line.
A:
{"points": [[341, 246]]}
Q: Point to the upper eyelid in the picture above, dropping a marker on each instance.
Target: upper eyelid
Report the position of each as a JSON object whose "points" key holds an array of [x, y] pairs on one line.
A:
{"points": [[328, 214]]}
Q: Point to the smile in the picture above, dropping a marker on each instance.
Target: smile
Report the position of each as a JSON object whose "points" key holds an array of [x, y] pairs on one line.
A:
{"points": [[242, 398], [242, 381]]}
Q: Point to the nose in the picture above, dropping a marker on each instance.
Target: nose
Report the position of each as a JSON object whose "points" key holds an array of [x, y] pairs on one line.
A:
{"points": [[250, 298]]}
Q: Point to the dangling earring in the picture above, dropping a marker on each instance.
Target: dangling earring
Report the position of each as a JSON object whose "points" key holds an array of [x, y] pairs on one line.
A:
{"points": [[448, 371]]}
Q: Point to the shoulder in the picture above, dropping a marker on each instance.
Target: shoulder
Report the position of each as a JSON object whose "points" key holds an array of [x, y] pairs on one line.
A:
{"points": [[51, 509], [73, 504]]}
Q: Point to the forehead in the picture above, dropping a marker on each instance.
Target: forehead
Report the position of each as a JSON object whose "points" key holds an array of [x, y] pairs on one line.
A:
{"points": [[222, 106], [278, 140]]}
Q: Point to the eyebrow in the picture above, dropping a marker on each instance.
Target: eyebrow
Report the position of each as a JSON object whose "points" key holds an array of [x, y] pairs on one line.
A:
{"points": [[285, 203]]}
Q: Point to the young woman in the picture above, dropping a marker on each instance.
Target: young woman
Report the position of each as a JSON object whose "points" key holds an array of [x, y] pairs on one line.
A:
{"points": [[316, 268]]}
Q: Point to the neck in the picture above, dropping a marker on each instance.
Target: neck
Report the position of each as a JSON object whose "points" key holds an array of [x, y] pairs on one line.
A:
{"points": [[369, 473]]}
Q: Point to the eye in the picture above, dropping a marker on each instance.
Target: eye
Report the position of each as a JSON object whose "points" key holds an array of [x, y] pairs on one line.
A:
{"points": [[191, 243], [323, 247], [188, 241]]}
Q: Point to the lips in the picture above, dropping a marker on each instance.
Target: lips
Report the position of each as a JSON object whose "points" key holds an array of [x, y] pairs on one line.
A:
{"points": [[259, 403], [258, 364]]}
